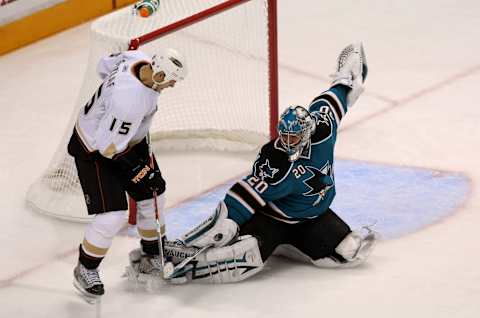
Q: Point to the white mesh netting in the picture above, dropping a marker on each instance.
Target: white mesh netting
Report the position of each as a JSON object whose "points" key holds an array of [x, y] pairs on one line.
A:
{"points": [[222, 104]]}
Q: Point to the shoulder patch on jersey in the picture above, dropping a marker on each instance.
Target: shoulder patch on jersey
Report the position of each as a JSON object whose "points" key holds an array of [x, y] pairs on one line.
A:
{"points": [[266, 171], [272, 164], [324, 126]]}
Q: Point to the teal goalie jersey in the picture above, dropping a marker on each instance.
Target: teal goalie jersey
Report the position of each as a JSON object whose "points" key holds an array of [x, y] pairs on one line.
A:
{"points": [[293, 191]]}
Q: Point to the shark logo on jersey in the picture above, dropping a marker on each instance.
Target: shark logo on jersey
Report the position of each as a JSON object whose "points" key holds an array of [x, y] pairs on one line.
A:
{"points": [[321, 117], [265, 170], [319, 182]]}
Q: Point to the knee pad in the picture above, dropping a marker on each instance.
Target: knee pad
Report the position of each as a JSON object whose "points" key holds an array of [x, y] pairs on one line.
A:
{"points": [[104, 227], [218, 230]]}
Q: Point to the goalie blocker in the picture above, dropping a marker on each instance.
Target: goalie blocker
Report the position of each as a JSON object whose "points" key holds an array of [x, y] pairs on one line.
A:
{"points": [[218, 230]]}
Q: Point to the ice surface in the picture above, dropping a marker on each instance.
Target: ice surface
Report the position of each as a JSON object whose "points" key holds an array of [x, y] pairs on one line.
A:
{"points": [[420, 110]]}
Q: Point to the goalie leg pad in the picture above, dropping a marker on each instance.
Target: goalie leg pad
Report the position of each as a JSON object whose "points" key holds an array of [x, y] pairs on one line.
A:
{"points": [[351, 71], [177, 251], [228, 264], [218, 230]]}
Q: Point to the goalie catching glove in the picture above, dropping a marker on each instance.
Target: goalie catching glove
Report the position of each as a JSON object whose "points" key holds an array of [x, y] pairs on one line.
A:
{"points": [[351, 71]]}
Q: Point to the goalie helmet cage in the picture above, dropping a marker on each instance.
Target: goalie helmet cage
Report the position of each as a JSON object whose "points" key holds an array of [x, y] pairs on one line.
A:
{"points": [[229, 100]]}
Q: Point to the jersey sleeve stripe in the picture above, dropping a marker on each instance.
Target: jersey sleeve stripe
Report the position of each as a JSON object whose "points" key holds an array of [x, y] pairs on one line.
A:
{"points": [[333, 103], [252, 192], [336, 101], [236, 211], [236, 197], [336, 109], [243, 191]]}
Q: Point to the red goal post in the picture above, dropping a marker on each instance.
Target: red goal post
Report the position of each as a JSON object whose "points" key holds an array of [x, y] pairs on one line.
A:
{"points": [[229, 99], [272, 45]]}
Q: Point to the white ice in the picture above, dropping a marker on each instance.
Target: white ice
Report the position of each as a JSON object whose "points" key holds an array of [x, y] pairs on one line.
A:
{"points": [[420, 109]]}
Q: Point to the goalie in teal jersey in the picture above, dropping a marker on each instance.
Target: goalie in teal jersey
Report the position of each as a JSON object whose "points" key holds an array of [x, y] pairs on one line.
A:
{"points": [[283, 205]]}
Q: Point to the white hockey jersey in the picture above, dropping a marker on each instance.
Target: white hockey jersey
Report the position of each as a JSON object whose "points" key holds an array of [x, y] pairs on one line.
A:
{"points": [[120, 112]]}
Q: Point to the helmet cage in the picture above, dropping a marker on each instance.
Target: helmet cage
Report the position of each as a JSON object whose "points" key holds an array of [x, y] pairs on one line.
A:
{"points": [[295, 129]]}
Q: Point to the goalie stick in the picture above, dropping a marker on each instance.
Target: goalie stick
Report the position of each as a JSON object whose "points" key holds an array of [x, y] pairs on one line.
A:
{"points": [[170, 272]]}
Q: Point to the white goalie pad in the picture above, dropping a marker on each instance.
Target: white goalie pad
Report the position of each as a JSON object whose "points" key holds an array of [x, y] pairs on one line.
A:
{"points": [[351, 71], [218, 230], [354, 248], [228, 264], [177, 251]]}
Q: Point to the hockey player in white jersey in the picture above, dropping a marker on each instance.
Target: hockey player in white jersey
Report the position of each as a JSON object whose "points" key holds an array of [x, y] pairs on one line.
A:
{"points": [[109, 145], [283, 205]]}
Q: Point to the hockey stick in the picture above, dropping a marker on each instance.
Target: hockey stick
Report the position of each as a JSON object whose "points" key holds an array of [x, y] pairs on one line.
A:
{"points": [[161, 251], [169, 272], [166, 266]]}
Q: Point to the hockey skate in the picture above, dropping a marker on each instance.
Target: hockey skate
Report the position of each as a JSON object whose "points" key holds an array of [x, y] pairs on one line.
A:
{"points": [[88, 283]]}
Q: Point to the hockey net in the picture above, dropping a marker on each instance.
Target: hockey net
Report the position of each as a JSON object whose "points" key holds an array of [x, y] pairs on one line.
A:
{"points": [[227, 102]]}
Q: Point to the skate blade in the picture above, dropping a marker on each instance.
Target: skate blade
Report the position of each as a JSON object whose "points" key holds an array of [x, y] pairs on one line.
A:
{"points": [[86, 296]]}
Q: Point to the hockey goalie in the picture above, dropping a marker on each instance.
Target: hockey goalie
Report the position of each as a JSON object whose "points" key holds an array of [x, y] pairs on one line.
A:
{"points": [[283, 206]]}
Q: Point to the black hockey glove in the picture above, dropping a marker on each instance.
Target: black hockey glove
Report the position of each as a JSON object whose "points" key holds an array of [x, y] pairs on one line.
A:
{"points": [[139, 171], [144, 175]]}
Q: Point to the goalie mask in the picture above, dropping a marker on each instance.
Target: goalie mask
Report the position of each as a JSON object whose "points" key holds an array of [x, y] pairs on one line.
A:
{"points": [[171, 63], [295, 129]]}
